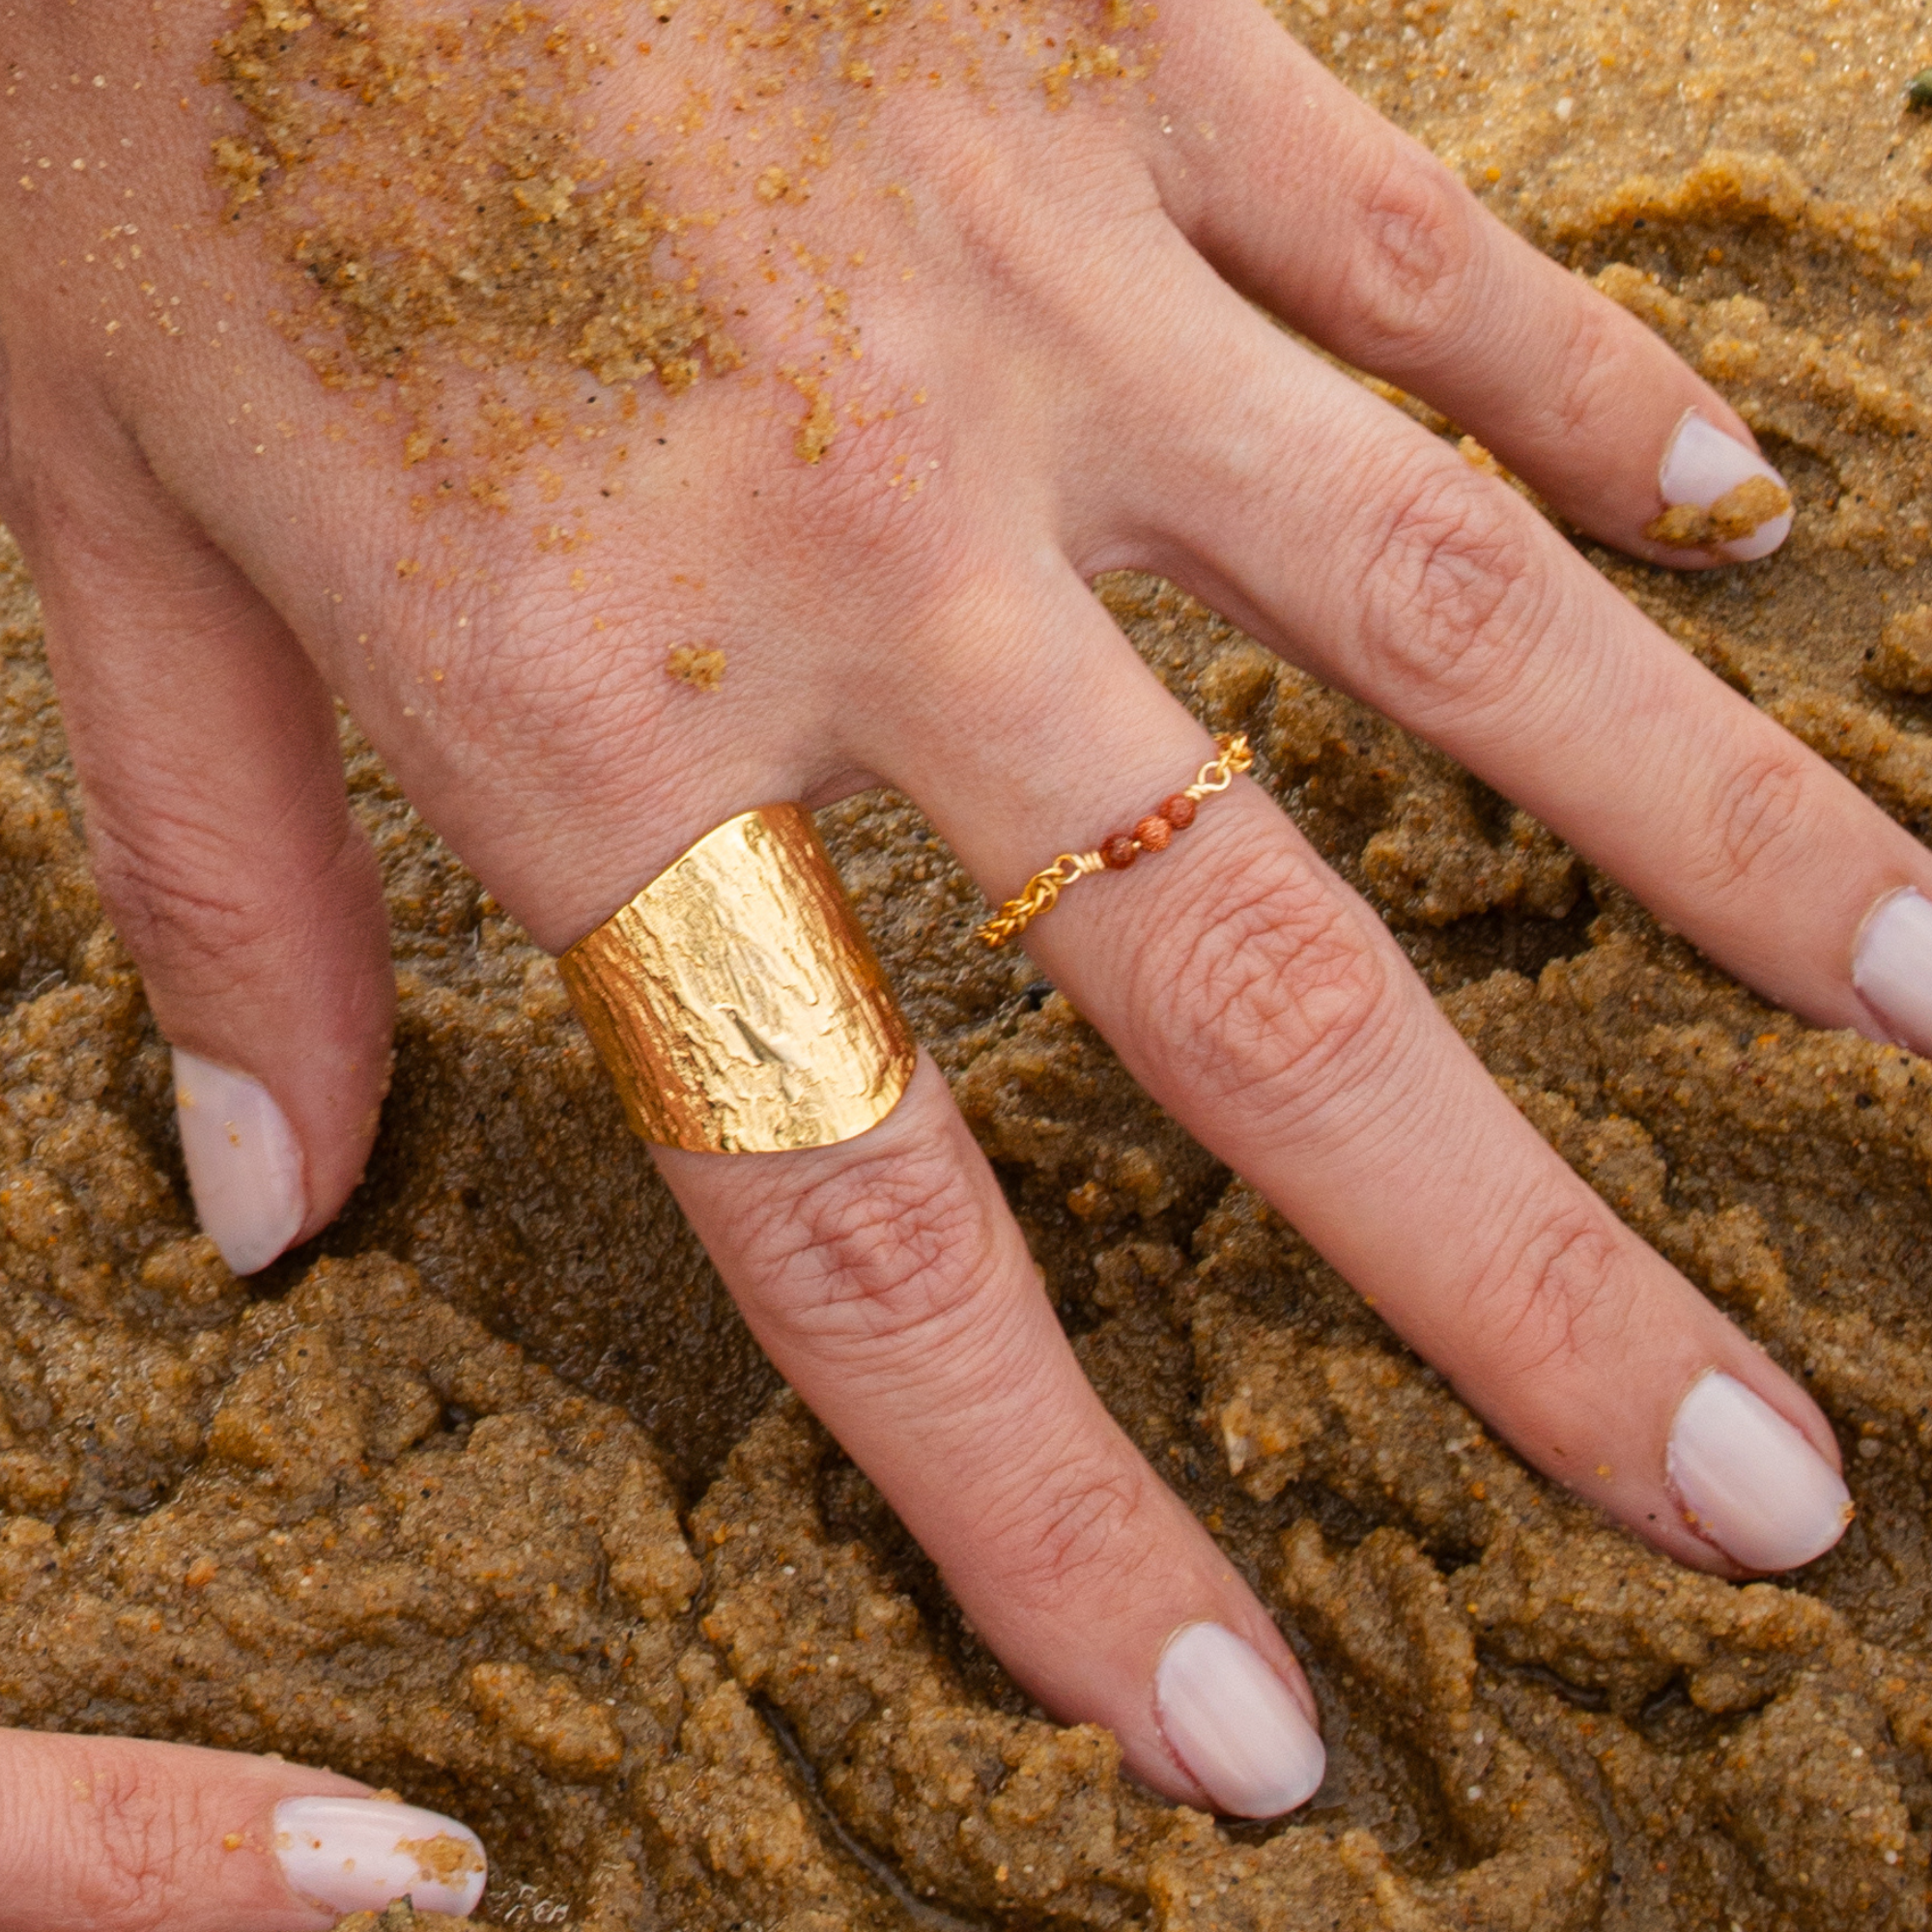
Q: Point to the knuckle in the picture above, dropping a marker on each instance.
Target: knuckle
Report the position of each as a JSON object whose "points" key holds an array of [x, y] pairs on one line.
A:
{"points": [[1548, 1306], [1080, 1539], [1415, 254], [1452, 602], [1286, 1004], [130, 1863], [179, 889], [162, 877], [888, 1251], [1760, 815], [1592, 366]]}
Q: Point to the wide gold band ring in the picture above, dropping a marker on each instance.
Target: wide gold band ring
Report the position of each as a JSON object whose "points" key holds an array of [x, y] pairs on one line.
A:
{"points": [[736, 1001]]}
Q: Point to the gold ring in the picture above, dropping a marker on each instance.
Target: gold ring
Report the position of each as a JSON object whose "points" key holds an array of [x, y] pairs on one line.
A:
{"points": [[736, 1001], [1232, 756]]}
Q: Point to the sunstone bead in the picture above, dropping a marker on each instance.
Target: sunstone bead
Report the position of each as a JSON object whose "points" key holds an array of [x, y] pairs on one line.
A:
{"points": [[1120, 851], [1154, 832], [1179, 812]]}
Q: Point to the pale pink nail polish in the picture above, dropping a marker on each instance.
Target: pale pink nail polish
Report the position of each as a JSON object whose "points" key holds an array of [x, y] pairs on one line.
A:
{"points": [[1893, 967], [244, 1164], [1235, 1725], [1702, 466], [1749, 1481], [345, 1855]]}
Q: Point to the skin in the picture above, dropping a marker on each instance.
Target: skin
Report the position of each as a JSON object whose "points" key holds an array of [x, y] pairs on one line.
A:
{"points": [[204, 602]]}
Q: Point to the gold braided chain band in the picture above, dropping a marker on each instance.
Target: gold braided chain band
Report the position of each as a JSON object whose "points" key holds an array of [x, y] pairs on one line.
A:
{"points": [[736, 1001], [1153, 834]]}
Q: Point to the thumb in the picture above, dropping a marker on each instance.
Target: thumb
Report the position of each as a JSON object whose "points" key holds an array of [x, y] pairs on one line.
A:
{"points": [[111, 1834], [227, 858]]}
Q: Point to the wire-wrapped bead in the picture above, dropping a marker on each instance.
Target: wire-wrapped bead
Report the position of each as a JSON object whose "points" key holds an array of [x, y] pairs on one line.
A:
{"points": [[1153, 834]]}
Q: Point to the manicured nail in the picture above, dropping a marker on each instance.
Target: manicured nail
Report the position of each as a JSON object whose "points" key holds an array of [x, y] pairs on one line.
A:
{"points": [[1893, 967], [242, 1162], [357, 1854], [1749, 1481], [1720, 496], [1235, 1725]]}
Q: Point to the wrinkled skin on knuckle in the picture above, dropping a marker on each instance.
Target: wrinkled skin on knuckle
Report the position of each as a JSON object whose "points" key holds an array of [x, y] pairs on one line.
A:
{"points": [[1762, 813], [1453, 601], [127, 1864], [1278, 1001], [172, 891], [1407, 279], [1590, 348], [1081, 1540], [1551, 1299], [888, 1254], [208, 926]]}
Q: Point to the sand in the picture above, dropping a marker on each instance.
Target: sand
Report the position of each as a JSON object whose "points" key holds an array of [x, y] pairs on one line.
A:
{"points": [[487, 1496]]}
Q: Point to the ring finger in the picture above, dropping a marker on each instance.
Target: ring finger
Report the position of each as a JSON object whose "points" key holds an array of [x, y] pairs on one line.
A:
{"points": [[1268, 1011]]}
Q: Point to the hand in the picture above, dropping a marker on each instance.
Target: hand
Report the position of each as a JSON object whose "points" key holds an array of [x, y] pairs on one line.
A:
{"points": [[120, 1836], [987, 285]]}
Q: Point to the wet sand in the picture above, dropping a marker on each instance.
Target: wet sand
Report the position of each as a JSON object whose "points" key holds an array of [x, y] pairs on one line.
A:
{"points": [[487, 1497]]}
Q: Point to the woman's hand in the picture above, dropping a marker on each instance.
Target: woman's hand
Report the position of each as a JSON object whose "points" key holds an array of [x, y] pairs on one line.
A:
{"points": [[116, 1836], [986, 274]]}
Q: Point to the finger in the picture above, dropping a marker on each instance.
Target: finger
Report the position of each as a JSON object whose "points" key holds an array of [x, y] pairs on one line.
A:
{"points": [[1271, 1013], [1437, 595], [888, 1282], [110, 1835], [225, 854], [1310, 202]]}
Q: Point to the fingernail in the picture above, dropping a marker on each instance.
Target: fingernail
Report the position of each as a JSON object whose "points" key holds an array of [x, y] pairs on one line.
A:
{"points": [[1893, 968], [244, 1165], [1720, 496], [1235, 1725], [1749, 1481], [358, 1854]]}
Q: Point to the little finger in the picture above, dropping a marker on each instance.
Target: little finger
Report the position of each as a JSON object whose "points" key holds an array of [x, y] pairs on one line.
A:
{"points": [[1346, 227], [225, 853]]}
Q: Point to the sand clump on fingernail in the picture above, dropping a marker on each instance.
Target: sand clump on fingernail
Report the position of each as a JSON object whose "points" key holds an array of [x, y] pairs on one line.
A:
{"points": [[1737, 513], [489, 1497]]}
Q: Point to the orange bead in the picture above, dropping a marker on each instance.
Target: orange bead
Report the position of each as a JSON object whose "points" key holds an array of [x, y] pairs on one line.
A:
{"points": [[1154, 832], [1120, 851], [1179, 812]]}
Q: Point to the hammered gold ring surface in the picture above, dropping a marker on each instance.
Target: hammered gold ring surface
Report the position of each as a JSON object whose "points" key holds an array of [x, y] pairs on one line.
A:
{"points": [[736, 1001]]}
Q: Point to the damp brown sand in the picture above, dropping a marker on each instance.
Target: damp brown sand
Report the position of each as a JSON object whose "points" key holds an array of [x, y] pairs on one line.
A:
{"points": [[487, 1496]]}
